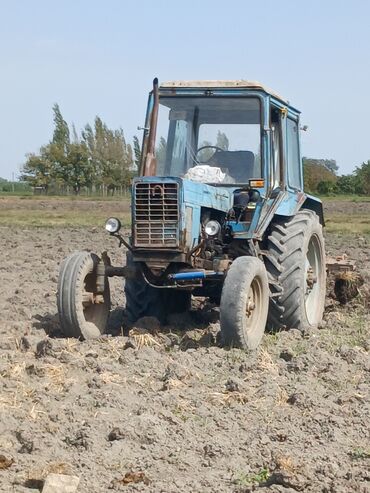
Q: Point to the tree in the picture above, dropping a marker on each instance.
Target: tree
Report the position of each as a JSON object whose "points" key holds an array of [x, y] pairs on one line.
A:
{"points": [[79, 170], [362, 178], [137, 153], [161, 151], [326, 187], [330, 164], [346, 184], [38, 170], [99, 157], [61, 131], [222, 141], [314, 172]]}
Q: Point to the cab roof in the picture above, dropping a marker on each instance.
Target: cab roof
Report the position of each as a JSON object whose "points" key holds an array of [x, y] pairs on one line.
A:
{"points": [[221, 84]]}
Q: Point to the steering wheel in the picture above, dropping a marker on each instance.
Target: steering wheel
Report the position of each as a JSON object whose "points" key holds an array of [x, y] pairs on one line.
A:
{"points": [[217, 149]]}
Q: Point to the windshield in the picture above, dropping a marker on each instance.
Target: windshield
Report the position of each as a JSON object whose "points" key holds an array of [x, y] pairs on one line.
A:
{"points": [[209, 139]]}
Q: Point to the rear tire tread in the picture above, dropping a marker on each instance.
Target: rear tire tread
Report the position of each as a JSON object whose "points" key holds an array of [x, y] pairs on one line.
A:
{"points": [[285, 249]]}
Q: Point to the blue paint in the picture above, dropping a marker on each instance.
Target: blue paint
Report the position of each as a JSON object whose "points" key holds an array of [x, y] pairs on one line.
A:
{"points": [[186, 276], [196, 196]]}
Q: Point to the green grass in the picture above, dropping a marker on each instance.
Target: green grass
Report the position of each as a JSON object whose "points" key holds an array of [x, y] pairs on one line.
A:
{"points": [[25, 193], [344, 198], [247, 479], [59, 211], [348, 223], [68, 218], [67, 198], [347, 218], [359, 453], [346, 328]]}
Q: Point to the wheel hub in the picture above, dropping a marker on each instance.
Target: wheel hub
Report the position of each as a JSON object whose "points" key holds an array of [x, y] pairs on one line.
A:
{"points": [[250, 306], [311, 279], [89, 298]]}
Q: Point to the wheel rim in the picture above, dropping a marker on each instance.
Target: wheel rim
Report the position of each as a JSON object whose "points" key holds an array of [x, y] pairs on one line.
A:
{"points": [[313, 280], [253, 308], [95, 306], [92, 302]]}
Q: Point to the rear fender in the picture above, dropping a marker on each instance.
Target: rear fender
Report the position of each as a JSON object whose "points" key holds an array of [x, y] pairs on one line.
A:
{"points": [[295, 202]]}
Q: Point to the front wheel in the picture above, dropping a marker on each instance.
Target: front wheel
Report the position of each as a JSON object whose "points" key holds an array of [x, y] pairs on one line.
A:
{"points": [[83, 312], [244, 303]]}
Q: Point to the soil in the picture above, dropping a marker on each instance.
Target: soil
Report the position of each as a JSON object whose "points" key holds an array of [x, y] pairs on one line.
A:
{"points": [[165, 409]]}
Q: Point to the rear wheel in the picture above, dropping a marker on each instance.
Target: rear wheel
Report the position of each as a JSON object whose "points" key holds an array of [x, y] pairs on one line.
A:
{"points": [[244, 303], [296, 267], [83, 312], [142, 300]]}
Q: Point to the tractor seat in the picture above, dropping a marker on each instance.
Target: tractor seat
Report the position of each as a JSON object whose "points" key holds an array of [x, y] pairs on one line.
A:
{"points": [[239, 163]]}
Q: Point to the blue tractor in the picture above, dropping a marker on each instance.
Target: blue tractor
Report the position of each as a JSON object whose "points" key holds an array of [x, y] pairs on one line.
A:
{"points": [[218, 211]]}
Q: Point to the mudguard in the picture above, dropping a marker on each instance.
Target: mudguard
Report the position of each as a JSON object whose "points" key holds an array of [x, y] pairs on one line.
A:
{"points": [[293, 202]]}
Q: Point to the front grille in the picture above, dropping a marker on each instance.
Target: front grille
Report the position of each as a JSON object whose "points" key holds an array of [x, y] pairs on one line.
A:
{"points": [[156, 215]]}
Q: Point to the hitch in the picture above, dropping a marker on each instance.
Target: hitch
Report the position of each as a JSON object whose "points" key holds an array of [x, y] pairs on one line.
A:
{"points": [[339, 264]]}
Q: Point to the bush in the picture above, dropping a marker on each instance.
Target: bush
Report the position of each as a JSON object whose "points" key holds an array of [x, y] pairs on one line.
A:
{"points": [[326, 187]]}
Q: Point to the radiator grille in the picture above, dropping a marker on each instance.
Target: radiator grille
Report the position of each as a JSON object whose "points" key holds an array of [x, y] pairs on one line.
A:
{"points": [[156, 215]]}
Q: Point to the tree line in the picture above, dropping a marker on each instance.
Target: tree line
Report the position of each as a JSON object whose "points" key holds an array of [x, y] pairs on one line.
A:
{"points": [[97, 159], [320, 176]]}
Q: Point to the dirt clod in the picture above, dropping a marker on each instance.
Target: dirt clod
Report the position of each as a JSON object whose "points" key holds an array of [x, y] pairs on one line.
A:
{"points": [[132, 477], [346, 286], [5, 462], [44, 348], [115, 434], [24, 344], [78, 440], [286, 355], [25, 441]]}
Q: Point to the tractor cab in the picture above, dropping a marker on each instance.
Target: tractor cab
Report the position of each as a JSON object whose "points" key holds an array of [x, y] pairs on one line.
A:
{"points": [[222, 132]]}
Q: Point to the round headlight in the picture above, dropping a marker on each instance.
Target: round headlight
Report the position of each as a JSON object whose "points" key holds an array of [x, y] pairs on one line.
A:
{"points": [[113, 225], [212, 228]]}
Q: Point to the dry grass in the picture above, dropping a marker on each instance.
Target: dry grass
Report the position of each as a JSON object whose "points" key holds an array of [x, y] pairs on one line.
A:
{"points": [[57, 377], [36, 413], [173, 383], [266, 363], [14, 371], [108, 377], [141, 338], [10, 401], [281, 397], [227, 398], [350, 276], [113, 347], [285, 463]]}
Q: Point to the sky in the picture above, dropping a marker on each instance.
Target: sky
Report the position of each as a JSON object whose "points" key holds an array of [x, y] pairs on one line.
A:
{"points": [[99, 58]]}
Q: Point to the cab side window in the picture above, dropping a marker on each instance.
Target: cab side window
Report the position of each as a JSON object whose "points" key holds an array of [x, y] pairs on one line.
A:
{"points": [[294, 165], [275, 148]]}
